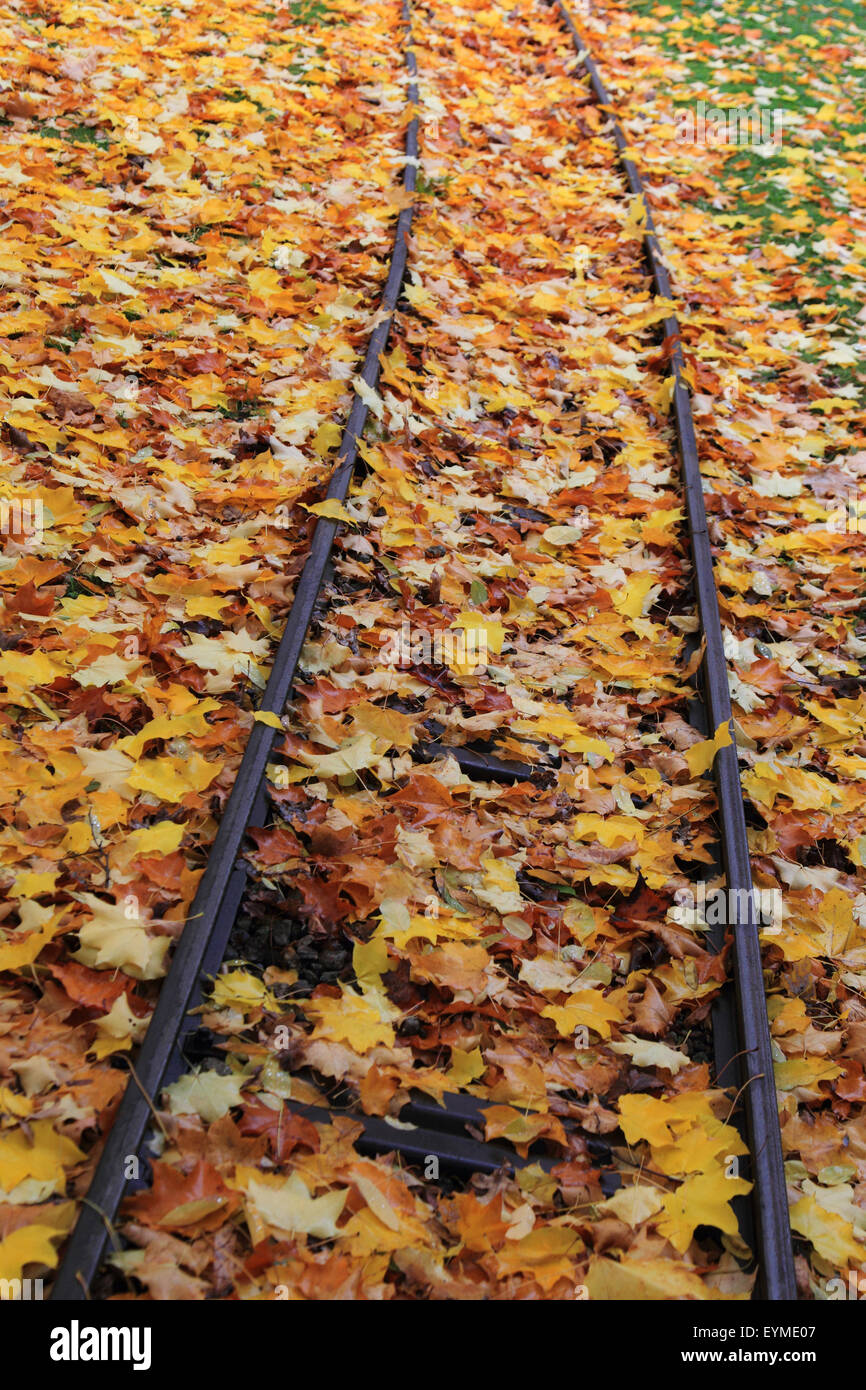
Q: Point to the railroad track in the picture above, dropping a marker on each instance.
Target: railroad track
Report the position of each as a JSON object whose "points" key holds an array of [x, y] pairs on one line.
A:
{"points": [[447, 1128]]}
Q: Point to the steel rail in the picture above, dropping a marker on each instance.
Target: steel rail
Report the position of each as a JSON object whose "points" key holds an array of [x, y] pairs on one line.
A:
{"points": [[770, 1204], [213, 910]]}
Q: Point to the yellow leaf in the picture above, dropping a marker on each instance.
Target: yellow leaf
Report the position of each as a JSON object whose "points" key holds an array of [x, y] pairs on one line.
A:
{"points": [[431, 928], [171, 779], [684, 1133], [837, 918], [351, 1019], [702, 1200], [239, 990], [659, 528], [664, 395], [28, 1245], [608, 830], [333, 509], [831, 1235], [199, 606], [377, 1201], [229, 552], [547, 1254], [807, 791], [115, 284], [108, 669], [632, 1280], [630, 598], [327, 437], [634, 1204], [110, 939], [15, 954], [658, 1121], [500, 889], [121, 1022], [370, 961], [551, 303], [388, 724], [562, 535], [700, 756], [353, 755], [265, 282], [167, 726], [118, 1029], [286, 1204], [586, 1008], [466, 1067], [635, 223], [163, 838], [267, 716], [567, 730], [488, 633], [11, 1103], [371, 400], [21, 674], [398, 531], [418, 297], [697, 1149], [204, 1093], [805, 1071], [651, 1054], [42, 1155]]}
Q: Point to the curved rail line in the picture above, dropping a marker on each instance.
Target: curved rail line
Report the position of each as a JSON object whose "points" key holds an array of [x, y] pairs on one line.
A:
{"points": [[770, 1204], [203, 941], [741, 1034]]}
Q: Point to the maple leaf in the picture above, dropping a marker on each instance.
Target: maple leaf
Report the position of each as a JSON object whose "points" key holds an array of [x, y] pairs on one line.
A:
{"points": [[41, 1157], [184, 1201], [351, 1019], [286, 1204], [652, 1014], [159, 1266], [645, 1280], [651, 1054], [547, 1254], [186, 450], [333, 509], [354, 755], [635, 1204], [163, 838], [111, 939], [29, 1245], [700, 756], [41, 926], [702, 1200], [830, 1234], [118, 1029], [585, 1009], [204, 1093], [387, 724], [465, 1067], [171, 779]]}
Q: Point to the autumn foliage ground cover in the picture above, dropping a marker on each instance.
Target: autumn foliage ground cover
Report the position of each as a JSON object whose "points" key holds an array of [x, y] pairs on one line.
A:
{"points": [[769, 259], [197, 217], [197, 304]]}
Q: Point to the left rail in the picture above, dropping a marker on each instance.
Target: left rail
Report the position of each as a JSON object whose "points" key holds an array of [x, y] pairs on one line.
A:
{"points": [[212, 913]]}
